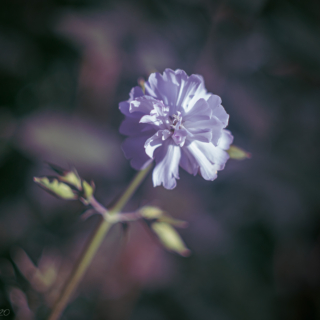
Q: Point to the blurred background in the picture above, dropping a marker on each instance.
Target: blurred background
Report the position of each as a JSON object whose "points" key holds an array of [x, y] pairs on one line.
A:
{"points": [[254, 232]]}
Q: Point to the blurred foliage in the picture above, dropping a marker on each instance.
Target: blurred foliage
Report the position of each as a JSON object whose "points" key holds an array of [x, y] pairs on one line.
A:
{"points": [[254, 233]]}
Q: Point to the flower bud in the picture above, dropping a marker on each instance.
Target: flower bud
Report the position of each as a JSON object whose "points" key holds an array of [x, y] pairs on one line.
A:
{"points": [[150, 212], [170, 238], [56, 187], [72, 178], [238, 153], [87, 191]]}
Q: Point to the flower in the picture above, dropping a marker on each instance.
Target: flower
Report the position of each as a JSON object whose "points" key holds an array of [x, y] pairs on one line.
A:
{"points": [[175, 122]]}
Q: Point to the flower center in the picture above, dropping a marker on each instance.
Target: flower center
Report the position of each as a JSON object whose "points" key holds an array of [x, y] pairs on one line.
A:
{"points": [[176, 122], [178, 131]]}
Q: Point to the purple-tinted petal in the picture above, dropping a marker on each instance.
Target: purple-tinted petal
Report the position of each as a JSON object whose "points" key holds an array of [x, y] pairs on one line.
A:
{"points": [[203, 136], [214, 154], [153, 143], [218, 110], [187, 162], [133, 148], [150, 119], [132, 126], [207, 169], [212, 125], [163, 87], [200, 111], [191, 90], [136, 92], [125, 105], [225, 140], [179, 137], [158, 116], [176, 89], [166, 170], [143, 105]]}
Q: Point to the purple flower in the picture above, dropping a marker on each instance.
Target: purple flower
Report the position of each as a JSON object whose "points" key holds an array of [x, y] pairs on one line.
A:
{"points": [[176, 122]]}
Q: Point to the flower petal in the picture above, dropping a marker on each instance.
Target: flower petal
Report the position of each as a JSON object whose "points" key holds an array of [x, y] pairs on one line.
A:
{"points": [[179, 136], [143, 104], [166, 170], [191, 90], [163, 87], [212, 125], [225, 140], [187, 162], [132, 126], [124, 105], [133, 148], [203, 136], [176, 89], [215, 155], [200, 111], [154, 142], [218, 110], [207, 169]]}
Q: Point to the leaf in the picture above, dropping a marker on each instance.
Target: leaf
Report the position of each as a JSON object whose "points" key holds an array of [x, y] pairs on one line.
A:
{"points": [[170, 238], [238, 153], [56, 187]]}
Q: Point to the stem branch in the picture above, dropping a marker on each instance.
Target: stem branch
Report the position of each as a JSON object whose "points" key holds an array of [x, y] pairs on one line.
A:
{"points": [[94, 243]]}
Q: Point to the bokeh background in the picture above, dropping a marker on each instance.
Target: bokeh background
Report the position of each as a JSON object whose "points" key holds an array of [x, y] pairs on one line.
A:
{"points": [[254, 232]]}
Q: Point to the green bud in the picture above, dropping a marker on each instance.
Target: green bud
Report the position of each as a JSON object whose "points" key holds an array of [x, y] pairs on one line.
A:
{"points": [[57, 188], [238, 153], [72, 178], [88, 190], [150, 212], [170, 238], [174, 222]]}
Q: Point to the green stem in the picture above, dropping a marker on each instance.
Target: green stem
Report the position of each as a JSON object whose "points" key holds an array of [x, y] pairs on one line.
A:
{"points": [[130, 190], [93, 246]]}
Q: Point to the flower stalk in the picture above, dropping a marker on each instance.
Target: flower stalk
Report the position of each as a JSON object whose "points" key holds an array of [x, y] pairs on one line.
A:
{"points": [[95, 242]]}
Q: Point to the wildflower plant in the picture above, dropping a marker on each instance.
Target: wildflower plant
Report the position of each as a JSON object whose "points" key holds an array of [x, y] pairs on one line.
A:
{"points": [[173, 121]]}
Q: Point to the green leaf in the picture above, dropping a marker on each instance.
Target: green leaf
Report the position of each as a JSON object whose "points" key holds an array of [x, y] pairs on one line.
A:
{"points": [[170, 238], [238, 153], [56, 187]]}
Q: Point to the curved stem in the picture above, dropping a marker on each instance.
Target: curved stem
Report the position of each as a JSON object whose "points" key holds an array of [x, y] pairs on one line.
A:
{"points": [[94, 244]]}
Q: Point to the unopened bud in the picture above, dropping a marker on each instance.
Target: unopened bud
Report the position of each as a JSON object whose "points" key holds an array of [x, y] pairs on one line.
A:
{"points": [[56, 187], [170, 238], [72, 178], [88, 190], [238, 153], [150, 212]]}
